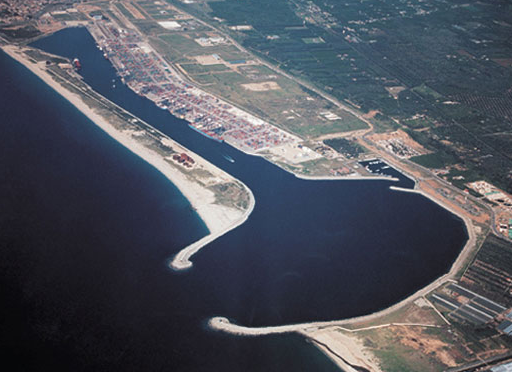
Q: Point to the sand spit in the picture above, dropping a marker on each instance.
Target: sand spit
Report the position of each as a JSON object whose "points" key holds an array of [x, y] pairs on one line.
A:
{"points": [[218, 218], [182, 260]]}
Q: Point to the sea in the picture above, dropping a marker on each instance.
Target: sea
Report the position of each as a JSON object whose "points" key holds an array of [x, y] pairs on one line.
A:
{"points": [[87, 230]]}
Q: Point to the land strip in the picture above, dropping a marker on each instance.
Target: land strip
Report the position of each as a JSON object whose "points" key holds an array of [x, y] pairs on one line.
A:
{"points": [[200, 190]]}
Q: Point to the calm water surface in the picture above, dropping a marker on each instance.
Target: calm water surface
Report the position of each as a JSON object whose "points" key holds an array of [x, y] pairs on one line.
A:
{"points": [[86, 229]]}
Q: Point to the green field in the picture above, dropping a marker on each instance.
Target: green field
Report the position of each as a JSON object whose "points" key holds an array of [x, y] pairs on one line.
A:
{"points": [[289, 106], [195, 68], [349, 149], [436, 160], [124, 11]]}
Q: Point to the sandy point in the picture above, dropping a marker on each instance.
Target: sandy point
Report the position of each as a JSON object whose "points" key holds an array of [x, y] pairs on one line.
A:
{"points": [[181, 261]]}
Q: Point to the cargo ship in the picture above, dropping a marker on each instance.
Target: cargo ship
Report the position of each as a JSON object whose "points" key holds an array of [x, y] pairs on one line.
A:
{"points": [[76, 64], [206, 134]]}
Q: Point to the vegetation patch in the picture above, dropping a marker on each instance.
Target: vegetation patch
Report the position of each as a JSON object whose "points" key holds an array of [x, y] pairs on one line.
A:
{"points": [[437, 160], [489, 272], [26, 32], [349, 149]]}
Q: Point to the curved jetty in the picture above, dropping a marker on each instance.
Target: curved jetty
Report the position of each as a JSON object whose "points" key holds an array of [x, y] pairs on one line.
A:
{"points": [[181, 260]]}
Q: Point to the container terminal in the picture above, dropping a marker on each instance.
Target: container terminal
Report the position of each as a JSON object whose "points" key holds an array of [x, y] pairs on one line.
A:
{"points": [[150, 76]]}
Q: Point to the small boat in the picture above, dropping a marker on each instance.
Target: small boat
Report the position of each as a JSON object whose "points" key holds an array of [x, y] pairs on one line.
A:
{"points": [[76, 64], [228, 158]]}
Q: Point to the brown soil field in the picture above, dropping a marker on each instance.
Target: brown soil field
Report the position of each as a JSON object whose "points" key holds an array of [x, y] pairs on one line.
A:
{"points": [[262, 87], [417, 339], [207, 60], [399, 134]]}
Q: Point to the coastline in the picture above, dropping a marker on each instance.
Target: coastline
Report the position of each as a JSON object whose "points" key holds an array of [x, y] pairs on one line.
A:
{"points": [[217, 218], [349, 354], [221, 220], [355, 177]]}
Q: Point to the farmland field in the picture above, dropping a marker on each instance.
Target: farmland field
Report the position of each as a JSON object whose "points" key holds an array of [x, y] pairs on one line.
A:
{"points": [[440, 67], [489, 272]]}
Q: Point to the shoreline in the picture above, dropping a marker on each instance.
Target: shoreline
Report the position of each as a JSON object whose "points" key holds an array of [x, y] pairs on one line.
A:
{"points": [[357, 177], [351, 348], [217, 218], [346, 178]]}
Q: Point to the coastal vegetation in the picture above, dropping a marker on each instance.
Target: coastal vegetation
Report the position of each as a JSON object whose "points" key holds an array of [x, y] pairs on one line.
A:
{"points": [[490, 269], [345, 147]]}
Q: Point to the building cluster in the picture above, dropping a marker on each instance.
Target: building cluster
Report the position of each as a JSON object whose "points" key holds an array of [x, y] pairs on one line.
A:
{"points": [[325, 151], [342, 171], [398, 147], [312, 13], [12, 11], [491, 192], [149, 75], [502, 205], [184, 160]]}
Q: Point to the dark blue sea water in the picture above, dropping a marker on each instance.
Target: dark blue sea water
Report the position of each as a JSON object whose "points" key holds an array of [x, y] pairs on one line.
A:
{"points": [[86, 229]]}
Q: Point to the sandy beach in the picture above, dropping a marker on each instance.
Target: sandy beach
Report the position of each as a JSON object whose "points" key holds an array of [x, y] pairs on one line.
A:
{"points": [[181, 261], [218, 219]]}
